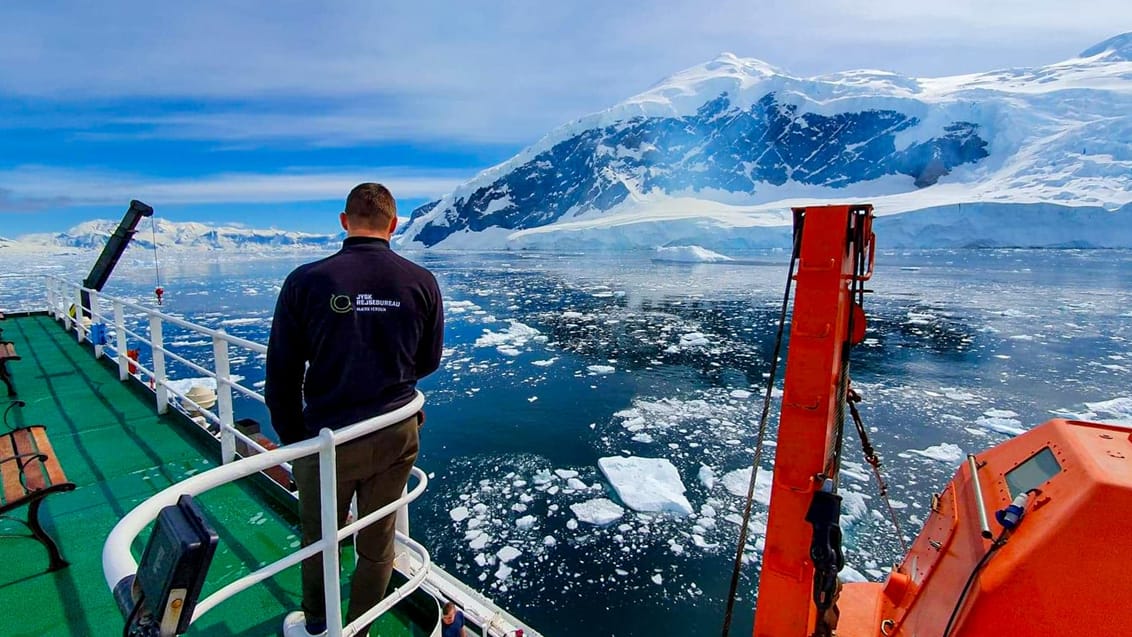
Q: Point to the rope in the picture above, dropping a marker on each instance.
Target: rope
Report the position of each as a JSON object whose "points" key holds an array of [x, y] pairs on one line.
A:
{"points": [[156, 269], [761, 437], [874, 461]]}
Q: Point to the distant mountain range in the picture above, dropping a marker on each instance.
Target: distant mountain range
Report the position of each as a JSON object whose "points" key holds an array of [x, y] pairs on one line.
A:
{"points": [[715, 155], [173, 235]]}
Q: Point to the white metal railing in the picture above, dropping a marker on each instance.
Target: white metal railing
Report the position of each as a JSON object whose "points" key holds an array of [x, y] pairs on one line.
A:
{"points": [[62, 296], [118, 562], [64, 301]]}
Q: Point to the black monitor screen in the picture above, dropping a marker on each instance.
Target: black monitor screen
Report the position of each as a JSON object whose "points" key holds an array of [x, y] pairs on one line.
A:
{"points": [[1037, 469]]}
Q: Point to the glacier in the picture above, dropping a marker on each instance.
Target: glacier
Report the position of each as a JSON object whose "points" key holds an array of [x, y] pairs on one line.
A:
{"points": [[715, 156]]}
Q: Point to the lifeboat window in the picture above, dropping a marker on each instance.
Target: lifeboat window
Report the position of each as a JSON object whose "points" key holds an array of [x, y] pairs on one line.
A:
{"points": [[1035, 470]]}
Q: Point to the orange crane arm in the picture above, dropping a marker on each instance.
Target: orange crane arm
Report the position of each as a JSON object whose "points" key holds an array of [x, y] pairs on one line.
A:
{"points": [[835, 241]]}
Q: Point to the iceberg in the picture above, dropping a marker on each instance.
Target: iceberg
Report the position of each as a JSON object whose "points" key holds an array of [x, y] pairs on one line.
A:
{"points": [[646, 484], [599, 511]]}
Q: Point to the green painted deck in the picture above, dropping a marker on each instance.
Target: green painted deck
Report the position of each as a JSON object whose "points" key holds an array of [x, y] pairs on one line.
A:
{"points": [[118, 452]]}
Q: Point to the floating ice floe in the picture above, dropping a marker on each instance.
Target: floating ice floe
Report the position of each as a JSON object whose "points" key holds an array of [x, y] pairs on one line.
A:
{"points": [[514, 336], [646, 484], [459, 513], [688, 254], [508, 553], [601, 370], [736, 483], [707, 477], [1117, 410], [598, 511], [945, 452], [1008, 426]]}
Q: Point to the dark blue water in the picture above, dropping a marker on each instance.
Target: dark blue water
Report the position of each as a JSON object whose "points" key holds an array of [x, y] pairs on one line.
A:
{"points": [[553, 361]]}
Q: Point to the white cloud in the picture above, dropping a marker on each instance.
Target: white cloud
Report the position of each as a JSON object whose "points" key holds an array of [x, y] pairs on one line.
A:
{"points": [[26, 188], [475, 71]]}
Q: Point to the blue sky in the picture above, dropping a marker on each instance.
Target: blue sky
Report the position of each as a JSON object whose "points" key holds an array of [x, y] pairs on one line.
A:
{"points": [[266, 113]]}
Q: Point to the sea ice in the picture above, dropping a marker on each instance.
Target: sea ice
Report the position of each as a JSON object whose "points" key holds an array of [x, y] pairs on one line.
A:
{"points": [[526, 522], [1008, 426], [601, 370], [646, 484], [576, 484], [737, 481], [945, 452], [707, 477], [458, 514], [598, 511], [508, 553]]}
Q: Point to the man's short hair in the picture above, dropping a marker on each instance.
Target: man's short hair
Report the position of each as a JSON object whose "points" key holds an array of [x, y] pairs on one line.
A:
{"points": [[448, 608], [371, 205]]}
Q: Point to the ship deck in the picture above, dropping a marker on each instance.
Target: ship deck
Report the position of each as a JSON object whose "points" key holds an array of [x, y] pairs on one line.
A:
{"points": [[118, 451]]}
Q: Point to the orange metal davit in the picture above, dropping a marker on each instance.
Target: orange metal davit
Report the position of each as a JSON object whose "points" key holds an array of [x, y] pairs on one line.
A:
{"points": [[1031, 537]]}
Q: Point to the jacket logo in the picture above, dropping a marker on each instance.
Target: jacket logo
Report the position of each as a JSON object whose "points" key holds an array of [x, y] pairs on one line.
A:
{"points": [[341, 303]]}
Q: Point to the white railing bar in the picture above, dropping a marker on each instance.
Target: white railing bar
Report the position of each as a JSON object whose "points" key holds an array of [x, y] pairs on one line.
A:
{"points": [[177, 357], [254, 445], [399, 593], [250, 393], [203, 411], [361, 523], [147, 371], [275, 567], [246, 582], [200, 329], [118, 562], [144, 339]]}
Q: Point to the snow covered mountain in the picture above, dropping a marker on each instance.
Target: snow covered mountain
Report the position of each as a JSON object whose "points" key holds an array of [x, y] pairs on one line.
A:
{"points": [[174, 235], [716, 155]]}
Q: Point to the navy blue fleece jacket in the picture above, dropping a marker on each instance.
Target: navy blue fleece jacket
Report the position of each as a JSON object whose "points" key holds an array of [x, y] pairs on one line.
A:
{"points": [[369, 322]]}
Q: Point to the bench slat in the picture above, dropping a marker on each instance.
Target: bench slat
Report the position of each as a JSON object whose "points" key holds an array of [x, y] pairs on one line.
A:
{"points": [[37, 474]]}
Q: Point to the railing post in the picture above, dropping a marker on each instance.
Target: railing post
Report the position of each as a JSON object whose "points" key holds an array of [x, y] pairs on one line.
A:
{"points": [[49, 296], [120, 332], [402, 518], [66, 311], [158, 345], [224, 399], [79, 332], [95, 317], [328, 486]]}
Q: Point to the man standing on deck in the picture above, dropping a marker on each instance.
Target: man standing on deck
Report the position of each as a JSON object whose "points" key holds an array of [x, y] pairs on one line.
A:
{"points": [[369, 323]]}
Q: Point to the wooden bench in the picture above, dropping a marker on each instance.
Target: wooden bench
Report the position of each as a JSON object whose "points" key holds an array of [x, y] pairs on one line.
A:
{"points": [[7, 353], [31, 472]]}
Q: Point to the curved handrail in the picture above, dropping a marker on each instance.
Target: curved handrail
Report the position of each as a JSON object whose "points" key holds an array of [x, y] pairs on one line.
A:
{"points": [[118, 562]]}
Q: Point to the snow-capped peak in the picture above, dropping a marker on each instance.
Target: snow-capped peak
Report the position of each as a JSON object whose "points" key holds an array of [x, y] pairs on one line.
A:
{"points": [[1115, 48], [733, 142]]}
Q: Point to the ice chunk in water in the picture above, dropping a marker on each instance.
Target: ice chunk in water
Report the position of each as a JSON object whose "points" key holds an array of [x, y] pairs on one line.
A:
{"points": [[646, 484], [737, 481], [599, 511], [508, 553], [707, 476], [945, 452]]}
